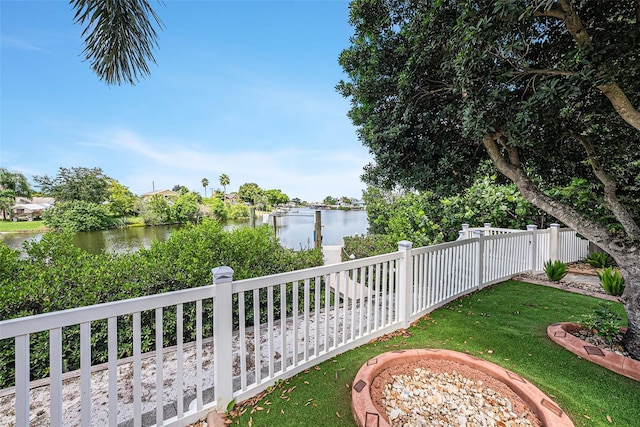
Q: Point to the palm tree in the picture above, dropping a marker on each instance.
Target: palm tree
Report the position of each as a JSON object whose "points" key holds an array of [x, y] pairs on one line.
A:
{"points": [[224, 181], [205, 184], [118, 37]]}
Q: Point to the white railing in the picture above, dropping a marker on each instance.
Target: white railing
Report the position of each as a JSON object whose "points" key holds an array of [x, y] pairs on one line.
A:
{"points": [[304, 317]]}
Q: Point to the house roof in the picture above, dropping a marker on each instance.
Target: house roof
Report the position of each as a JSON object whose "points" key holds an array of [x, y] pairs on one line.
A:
{"points": [[167, 192], [30, 206]]}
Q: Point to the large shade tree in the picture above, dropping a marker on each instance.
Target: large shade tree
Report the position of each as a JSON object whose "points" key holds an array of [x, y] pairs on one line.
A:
{"points": [[76, 183], [547, 89]]}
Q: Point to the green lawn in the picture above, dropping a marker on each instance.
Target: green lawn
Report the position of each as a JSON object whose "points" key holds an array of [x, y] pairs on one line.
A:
{"points": [[22, 226], [510, 319]]}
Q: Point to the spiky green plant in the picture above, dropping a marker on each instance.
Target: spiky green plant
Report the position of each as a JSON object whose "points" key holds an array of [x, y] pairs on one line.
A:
{"points": [[599, 260], [555, 270], [611, 280]]}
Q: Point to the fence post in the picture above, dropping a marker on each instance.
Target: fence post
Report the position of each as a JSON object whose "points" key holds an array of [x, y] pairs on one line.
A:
{"points": [[533, 247], [554, 242], [487, 231], [406, 283], [465, 230], [222, 336], [480, 258]]}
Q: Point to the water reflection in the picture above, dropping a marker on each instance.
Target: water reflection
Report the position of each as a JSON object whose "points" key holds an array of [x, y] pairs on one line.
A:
{"points": [[294, 230]]}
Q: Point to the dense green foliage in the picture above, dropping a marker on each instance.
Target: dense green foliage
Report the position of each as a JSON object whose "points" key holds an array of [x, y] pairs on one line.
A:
{"points": [[548, 90], [78, 215], [429, 80], [58, 276], [505, 324], [184, 209], [250, 192], [276, 197], [77, 183], [367, 246], [122, 201], [238, 211], [603, 321], [426, 218]]}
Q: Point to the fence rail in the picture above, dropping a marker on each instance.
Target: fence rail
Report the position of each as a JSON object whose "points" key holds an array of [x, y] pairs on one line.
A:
{"points": [[261, 330]]}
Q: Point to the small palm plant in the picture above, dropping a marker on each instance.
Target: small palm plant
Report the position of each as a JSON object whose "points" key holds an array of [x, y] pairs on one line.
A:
{"points": [[599, 260], [611, 280], [555, 270]]}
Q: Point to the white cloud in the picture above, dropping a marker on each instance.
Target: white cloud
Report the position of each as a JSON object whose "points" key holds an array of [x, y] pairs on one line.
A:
{"points": [[16, 43], [309, 174]]}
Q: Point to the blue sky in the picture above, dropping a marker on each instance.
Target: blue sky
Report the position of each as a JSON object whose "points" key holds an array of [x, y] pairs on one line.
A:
{"points": [[244, 88]]}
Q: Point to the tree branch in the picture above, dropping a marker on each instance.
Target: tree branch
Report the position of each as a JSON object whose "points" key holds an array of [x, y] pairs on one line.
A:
{"points": [[547, 72], [590, 229], [610, 197], [550, 13], [610, 89]]}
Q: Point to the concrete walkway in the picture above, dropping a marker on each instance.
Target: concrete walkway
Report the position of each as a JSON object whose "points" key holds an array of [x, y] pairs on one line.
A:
{"points": [[332, 254]]}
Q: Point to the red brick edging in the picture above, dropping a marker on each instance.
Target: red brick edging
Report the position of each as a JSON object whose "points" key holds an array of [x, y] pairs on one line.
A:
{"points": [[560, 333], [366, 414]]}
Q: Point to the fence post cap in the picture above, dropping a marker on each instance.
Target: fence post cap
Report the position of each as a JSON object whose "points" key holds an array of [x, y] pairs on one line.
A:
{"points": [[554, 225], [487, 224], [404, 245], [465, 226], [477, 233], [532, 227], [222, 274]]}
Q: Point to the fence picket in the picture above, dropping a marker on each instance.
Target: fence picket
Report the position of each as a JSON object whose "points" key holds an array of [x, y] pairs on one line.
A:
{"points": [[55, 363]]}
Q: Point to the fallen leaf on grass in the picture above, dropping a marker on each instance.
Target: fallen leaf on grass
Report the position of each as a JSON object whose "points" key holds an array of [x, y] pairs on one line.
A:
{"points": [[338, 415], [587, 417], [609, 418]]}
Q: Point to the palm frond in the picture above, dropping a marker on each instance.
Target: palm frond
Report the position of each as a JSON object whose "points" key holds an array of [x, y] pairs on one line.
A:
{"points": [[119, 37]]}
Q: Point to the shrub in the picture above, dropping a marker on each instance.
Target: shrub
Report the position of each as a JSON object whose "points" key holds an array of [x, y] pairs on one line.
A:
{"points": [[555, 270], [599, 260], [58, 276], [603, 322], [78, 215], [369, 245], [611, 280]]}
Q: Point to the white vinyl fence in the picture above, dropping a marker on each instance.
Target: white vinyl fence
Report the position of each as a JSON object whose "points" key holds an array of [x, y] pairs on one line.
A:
{"points": [[302, 318]]}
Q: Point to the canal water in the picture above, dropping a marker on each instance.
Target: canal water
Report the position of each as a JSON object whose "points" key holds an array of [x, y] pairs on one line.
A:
{"points": [[295, 230]]}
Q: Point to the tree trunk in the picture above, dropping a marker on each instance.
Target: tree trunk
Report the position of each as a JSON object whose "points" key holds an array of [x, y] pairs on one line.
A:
{"points": [[630, 268]]}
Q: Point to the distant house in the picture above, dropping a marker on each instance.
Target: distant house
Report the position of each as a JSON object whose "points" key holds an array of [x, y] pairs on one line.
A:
{"points": [[169, 195], [30, 208], [232, 198]]}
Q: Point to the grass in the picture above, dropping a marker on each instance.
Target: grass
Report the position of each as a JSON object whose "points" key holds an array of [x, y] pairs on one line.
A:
{"points": [[505, 324], [39, 227], [22, 226]]}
